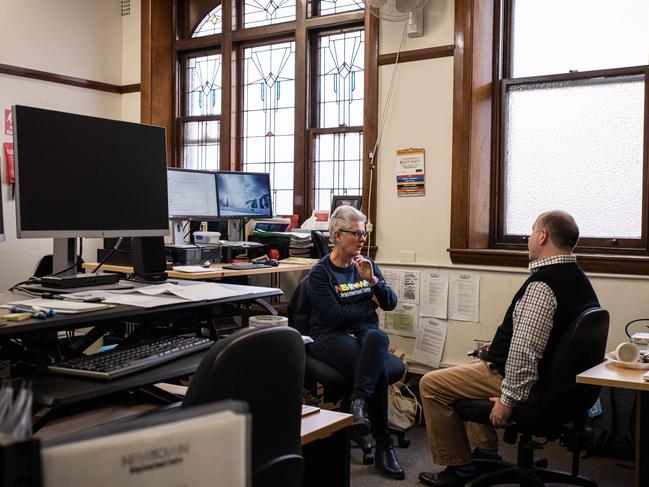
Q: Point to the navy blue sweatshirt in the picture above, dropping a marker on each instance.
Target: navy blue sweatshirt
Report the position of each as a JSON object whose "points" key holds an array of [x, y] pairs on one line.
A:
{"points": [[341, 300]]}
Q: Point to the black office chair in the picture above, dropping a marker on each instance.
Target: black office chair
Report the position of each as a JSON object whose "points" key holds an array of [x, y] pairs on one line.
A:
{"points": [[320, 243], [561, 413], [336, 386], [265, 368]]}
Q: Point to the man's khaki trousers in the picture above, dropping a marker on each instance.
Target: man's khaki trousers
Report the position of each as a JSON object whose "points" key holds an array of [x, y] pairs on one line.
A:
{"points": [[447, 434]]}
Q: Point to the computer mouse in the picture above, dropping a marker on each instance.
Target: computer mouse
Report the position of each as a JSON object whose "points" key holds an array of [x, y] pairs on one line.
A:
{"points": [[273, 262]]}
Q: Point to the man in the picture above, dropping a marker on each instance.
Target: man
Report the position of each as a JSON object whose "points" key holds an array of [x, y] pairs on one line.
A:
{"points": [[547, 303]]}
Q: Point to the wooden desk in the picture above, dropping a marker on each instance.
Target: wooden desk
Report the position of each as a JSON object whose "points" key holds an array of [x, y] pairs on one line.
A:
{"points": [[205, 276], [611, 375]]}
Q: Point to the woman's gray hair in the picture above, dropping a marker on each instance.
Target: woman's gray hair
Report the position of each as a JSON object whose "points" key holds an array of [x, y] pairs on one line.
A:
{"points": [[342, 218]]}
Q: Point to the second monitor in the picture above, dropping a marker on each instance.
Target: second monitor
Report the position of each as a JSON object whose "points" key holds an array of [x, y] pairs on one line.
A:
{"points": [[243, 195]]}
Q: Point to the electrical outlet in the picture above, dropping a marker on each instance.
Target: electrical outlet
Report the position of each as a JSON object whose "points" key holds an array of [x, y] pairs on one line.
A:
{"points": [[408, 256]]}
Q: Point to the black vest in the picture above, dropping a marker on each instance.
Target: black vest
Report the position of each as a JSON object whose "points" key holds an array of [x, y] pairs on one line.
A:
{"points": [[573, 293]]}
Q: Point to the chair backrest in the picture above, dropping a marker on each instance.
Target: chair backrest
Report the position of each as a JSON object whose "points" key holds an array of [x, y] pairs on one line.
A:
{"points": [[299, 307], [582, 347], [320, 243], [265, 368]]}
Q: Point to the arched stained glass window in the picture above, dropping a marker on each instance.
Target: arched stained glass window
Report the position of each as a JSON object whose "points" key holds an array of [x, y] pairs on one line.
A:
{"points": [[211, 24]]}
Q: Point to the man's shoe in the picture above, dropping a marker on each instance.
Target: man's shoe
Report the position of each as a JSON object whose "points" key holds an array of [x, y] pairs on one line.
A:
{"points": [[361, 425], [484, 454], [386, 461], [445, 478]]}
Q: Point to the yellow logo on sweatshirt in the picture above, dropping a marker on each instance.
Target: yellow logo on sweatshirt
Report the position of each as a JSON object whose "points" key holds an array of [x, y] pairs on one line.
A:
{"points": [[350, 286]]}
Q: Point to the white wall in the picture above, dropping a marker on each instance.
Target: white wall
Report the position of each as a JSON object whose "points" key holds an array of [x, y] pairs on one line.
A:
{"points": [[420, 115], [81, 38]]}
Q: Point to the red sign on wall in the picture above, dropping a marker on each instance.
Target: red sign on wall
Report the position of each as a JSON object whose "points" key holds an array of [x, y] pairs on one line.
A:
{"points": [[9, 126]]}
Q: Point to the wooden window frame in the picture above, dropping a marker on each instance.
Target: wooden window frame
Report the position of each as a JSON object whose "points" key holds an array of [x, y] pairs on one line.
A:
{"points": [[475, 170], [162, 51]]}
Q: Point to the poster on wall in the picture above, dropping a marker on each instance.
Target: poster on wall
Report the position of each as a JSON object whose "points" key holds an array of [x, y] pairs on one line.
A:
{"points": [[410, 172], [402, 320]]}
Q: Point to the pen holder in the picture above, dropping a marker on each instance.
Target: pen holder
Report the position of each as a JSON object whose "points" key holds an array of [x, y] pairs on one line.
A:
{"points": [[20, 462]]}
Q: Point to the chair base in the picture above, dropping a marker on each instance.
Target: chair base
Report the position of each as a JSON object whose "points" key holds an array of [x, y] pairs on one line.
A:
{"points": [[497, 473]]}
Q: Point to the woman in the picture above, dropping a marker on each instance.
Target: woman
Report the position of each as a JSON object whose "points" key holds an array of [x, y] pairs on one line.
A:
{"points": [[344, 291]]}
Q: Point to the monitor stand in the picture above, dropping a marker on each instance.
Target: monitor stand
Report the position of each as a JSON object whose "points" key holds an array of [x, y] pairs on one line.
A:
{"points": [[65, 255]]}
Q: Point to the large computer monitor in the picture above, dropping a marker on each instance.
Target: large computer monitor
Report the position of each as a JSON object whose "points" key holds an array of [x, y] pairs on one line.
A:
{"points": [[192, 195], [243, 195], [81, 176]]}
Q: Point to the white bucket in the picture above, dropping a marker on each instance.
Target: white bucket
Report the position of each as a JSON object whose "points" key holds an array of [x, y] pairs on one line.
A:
{"points": [[264, 321]]}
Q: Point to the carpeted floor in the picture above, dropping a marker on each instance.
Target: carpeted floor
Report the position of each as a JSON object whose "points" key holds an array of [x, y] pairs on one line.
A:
{"points": [[607, 472]]}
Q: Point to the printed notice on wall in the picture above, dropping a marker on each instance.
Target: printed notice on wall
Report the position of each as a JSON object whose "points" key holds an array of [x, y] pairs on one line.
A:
{"points": [[434, 293], [9, 127], [410, 172], [464, 296], [429, 343], [405, 284], [401, 321]]}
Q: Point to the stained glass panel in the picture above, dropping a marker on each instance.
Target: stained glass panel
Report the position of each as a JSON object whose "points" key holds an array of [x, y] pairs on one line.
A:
{"points": [[341, 79], [204, 85], [337, 6], [267, 12], [201, 144], [211, 24], [268, 118], [338, 167]]}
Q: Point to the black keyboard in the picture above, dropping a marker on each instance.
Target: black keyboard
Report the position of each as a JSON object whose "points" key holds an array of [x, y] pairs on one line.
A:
{"points": [[246, 267], [116, 363]]}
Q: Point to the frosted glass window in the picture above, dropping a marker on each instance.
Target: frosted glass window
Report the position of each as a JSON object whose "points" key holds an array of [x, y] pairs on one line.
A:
{"points": [[201, 145], [576, 146], [556, 36]]}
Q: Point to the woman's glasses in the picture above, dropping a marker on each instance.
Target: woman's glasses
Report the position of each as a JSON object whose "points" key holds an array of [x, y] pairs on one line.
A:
{"points": [[358, 233]]}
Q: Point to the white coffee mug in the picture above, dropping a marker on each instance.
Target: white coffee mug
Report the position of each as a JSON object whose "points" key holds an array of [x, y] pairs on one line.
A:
{"points": [[627, 352]]}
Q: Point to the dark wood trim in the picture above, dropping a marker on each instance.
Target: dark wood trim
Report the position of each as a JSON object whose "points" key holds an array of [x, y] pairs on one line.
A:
{"points": [[134, 88], [266, 32], [300, 157], [205, 42], [63, 79], [418, 54], [158, 69], [227, 88], [335, 20], [371, 116], [337, 130], [613, 264]]}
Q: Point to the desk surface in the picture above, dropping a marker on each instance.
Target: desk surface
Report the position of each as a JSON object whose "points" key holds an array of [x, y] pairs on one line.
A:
{"points": [[322, 424], [80, 320], [609, 374], [220, 271]]}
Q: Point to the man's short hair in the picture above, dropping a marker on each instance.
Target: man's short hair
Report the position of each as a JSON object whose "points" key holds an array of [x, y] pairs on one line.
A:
{"points": [[562, 228]]}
